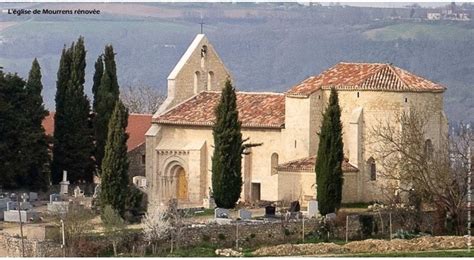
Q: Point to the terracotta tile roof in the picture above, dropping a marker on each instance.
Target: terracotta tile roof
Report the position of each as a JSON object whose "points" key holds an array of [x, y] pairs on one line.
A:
{"points": [[307, 165], [138, 124], [365, 76], [48, 124], [257, 110]]}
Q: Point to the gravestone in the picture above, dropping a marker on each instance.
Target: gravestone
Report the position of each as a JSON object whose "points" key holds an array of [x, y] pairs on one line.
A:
{"points": [[54, 197], [3, 206], [313, 208], [3, 203], [221, 213], [58, 206], [13, 216], [295, 206], [24, 197], [64, 184], [12, 205], [245, 214], [33, 196], [331, 216], [13, 196], [78, 193], [270, 211]]}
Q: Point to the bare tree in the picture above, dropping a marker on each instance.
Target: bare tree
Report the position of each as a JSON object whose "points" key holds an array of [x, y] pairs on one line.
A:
{"points": [[141, 99], [177, 221], [77, 224], [436, 172], [156, 226]]}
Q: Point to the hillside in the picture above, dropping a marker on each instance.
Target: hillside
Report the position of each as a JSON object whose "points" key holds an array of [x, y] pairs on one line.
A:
{"points": [[266, 46]]}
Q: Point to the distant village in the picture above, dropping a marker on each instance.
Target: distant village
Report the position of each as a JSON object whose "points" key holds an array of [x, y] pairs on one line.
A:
{"points": [[451, 12]]}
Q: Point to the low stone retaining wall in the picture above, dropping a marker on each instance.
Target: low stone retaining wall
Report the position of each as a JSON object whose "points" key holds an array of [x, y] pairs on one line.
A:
{"points": [[11, 247], [248, 234]]}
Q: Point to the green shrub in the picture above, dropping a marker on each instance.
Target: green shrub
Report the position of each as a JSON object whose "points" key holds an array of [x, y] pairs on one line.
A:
{"points": [[252, 235], [206, 238], [221, 236]]}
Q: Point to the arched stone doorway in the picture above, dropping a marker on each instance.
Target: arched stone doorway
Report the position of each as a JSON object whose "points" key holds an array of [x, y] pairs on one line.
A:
{"points": [[181, 182]]}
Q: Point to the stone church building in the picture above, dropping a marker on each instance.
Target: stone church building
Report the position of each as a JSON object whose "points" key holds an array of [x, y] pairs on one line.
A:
{"points": [[179, 143]]}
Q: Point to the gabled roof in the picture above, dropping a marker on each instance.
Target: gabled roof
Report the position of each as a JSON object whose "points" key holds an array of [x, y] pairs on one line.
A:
{"points": [[365, 76], [186, 56], [257, 110], [137, 126], [307, 165]]}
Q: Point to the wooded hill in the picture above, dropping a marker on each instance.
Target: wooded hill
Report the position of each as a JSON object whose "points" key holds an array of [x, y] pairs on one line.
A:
{"points": [[267, 47]]}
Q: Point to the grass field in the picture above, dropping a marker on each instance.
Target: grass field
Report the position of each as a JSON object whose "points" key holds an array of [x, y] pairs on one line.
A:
{"points": [[416, 30]]}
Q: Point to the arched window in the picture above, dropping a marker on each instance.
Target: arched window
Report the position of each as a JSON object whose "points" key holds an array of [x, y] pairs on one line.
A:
{"points": [[428, 149], [372, 169], [274, 163], [210, 80], [197, 78]]}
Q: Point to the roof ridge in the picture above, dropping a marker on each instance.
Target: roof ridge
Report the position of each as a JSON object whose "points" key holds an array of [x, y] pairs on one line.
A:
{"points": [[392, 68], [260, 93], [383, 66], [368, 63]]}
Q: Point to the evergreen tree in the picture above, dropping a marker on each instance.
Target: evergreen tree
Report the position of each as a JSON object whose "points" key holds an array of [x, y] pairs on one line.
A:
{"points": [[35, 142], [73, 138], [13, 159], [228, 150], [58, 163], [329, 177], [99, 71], [114, 173], [107, 95]]}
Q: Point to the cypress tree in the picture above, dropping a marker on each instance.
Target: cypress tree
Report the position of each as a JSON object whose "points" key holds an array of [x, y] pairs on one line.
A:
{"points": [[99, 71], [58, 163], [73, 139], [107, 94], [329, 176], [114, 172], [35, 141], [228, 150]]}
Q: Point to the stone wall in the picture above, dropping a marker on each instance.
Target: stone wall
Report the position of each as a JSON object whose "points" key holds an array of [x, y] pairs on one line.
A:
{"points": [[12, 247], [249, 234], [137, 165]]}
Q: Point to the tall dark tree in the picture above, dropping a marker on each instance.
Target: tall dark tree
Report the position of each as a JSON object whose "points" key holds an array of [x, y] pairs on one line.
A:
{"points": [[107, 95], [114, 172], [35, 141], [12, 121], [329, 178], [99, 71], [228, 150], [73, 137]]}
